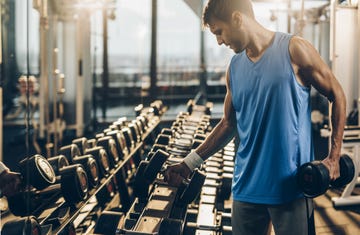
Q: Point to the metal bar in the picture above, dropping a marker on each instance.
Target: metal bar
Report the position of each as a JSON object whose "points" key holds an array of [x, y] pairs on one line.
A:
{"points": [[105, 77], [153, 57]]}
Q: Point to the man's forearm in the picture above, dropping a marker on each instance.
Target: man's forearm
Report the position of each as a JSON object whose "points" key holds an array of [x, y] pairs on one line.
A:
{"points": [[337, 125], [218, 138]]}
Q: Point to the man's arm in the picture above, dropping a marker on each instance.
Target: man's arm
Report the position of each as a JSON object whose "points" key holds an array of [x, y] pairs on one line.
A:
{"points": [[311, 70], [223, 132], [217, 139]]}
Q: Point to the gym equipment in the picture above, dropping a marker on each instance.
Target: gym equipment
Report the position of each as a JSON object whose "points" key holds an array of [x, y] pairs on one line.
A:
{"points": [[109, 144], [42, 173], [25, 226], [120, 142], [102, 159], [82, 144], [108, 222], [72, 184], [91, 167], [313, 177], [58, 162], [70, 151]]}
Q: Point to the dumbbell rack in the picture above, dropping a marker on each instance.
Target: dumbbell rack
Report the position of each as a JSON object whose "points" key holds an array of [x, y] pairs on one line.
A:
{"points": [[84, 206], [73, 215], [146, 214], [209, 215]]}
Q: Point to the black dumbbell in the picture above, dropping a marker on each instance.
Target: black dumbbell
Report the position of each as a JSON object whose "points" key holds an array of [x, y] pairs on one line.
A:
{"points": [[189, 189], [135, 132], [82, 144], [102, 159], [71, 183], [37, 172], [58, 162], [141, 186], [313, 177], [70, 151], [120, 142], [25, 226], [109, 144], [91, 167]]}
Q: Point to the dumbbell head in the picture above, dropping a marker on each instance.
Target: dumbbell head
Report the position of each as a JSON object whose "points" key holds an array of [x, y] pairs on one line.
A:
{"points": [[155, 165], [101, 157], [193, 188], [42, 173], [82, 144], [74, 183], [313, 178], [163, 139], [141, 187], [71, 183], [25, 226], [347, 172], [58, 162], [70, 151], [91, 167], [109, 144], [120, 142], [135, 133]]}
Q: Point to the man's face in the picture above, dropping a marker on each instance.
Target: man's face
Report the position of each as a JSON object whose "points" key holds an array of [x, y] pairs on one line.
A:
{"points": [[227, 34]]}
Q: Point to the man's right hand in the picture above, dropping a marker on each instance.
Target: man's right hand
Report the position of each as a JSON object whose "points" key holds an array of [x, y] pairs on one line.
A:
{"points": [[175, 174]]}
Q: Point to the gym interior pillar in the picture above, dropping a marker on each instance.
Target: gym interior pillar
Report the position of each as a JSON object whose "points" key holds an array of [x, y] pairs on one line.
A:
{"points": [[153, 57]]}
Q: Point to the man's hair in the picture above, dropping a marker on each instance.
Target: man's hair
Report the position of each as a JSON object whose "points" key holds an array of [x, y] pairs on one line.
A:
{"points": [[223, 9]]}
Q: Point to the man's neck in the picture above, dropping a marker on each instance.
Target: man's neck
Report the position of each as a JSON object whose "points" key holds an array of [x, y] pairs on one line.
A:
{"points": [[261, 39]]}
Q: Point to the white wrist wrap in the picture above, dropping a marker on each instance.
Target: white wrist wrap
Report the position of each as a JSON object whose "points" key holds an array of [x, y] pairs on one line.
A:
{"points": [[193, 160], [3, 167]]}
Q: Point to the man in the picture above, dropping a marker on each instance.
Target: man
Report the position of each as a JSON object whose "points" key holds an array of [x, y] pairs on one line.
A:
{"points": [[268, 103], [9, 181]]}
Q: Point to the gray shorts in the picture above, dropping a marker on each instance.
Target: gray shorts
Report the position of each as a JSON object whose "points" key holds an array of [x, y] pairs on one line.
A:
{"points": [[289, 218]]}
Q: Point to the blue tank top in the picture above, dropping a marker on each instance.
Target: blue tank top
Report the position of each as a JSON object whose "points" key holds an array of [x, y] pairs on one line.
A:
{"points": [[274, 125]]}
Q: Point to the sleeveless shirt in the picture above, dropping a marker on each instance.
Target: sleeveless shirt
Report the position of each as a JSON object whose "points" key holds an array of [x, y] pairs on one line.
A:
{"points": [[274, 125]]}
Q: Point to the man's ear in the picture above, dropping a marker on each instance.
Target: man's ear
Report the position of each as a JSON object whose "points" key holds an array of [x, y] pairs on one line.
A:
{"points": [[237, 19]]}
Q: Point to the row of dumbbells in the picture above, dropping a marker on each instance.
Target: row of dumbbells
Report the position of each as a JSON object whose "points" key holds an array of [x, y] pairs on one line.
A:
{"points": [[158, 207], [165, 206], [78, 167], [210, 215]]}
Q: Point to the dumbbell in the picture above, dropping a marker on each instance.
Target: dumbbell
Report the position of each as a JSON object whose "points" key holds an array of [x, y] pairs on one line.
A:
{"points": [[87, 161], [58, 162], [102, 159], [135, 131], [313, 177], [189, 189], [109, 144], [25, 226], [37, 171], [91, 167], [70, 151], [82, 144], [71, 183], [120, 142]]}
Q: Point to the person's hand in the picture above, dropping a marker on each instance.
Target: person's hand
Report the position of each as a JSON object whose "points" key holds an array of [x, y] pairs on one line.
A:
{"points": [[9, 183], [333, 167], [175, 174]]}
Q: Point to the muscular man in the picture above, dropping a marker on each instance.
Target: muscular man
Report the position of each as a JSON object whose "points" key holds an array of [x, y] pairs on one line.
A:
{"points": [[268, 103]]}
